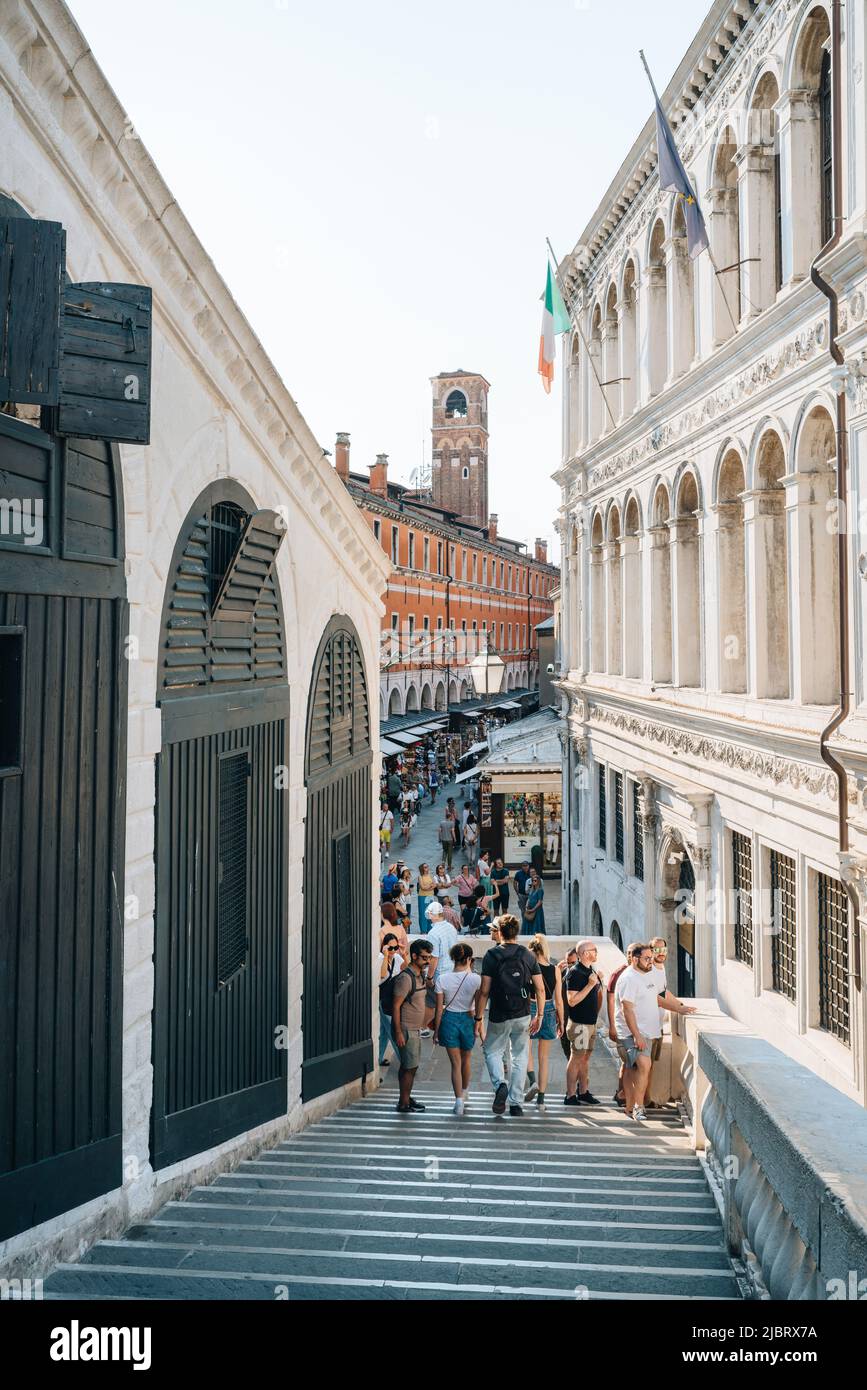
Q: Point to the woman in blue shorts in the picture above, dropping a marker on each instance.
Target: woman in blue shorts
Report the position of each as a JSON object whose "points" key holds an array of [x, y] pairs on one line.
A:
{"points": [[454, 1021], [552, 1020]]}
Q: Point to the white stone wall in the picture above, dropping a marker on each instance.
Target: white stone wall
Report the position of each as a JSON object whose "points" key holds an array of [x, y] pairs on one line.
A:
{"points": [[219, 411], [700, 559]]}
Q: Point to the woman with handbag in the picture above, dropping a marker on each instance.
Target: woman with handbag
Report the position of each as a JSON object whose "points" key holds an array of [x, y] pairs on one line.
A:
{"points": [[390, 964], [454, 1022]]}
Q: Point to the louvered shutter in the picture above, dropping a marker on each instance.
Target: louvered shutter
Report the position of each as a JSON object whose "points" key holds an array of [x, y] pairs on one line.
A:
{"points": [[105, 363], [32, 258], [250, 570]]}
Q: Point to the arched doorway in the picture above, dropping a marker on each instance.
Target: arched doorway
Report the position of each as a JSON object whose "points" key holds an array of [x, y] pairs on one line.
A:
{"points": [[677, 914], [222, 896], [616, 935], [335, 948], [596, 927], [575, 923], [63, 719]]}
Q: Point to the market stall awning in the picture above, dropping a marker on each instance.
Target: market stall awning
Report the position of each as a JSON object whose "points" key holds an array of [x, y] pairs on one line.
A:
{"points": [[509, 704], [389, 749], [404, 737], [470, 772], [475, 748]]}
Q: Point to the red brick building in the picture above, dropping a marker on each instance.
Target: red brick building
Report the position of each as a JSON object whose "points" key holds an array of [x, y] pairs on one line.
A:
{"points": [[457, 587]]}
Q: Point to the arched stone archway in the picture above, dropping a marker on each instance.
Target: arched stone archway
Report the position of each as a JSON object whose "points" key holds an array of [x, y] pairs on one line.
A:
{"points": [[596, 926], [464, 694], [616, 935], [426, 696], [454, 693], [411, 706], [676, 913], [440, 697], [395, 702]]}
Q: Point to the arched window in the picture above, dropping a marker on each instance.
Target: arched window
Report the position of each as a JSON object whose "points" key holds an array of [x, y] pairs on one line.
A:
{"points": [[809, 129], [681, 292], [611, 358], [762, 273], [632, 596], [596, 927], [614, 596], [771, 583], [597, 596], [726, 239], [660, 579], [816, 554], [686, 585], [598, 413], [575, 420], [616, 936], [628, 353], [826, 150], [657, 311], [731, 576], [456, 406]]}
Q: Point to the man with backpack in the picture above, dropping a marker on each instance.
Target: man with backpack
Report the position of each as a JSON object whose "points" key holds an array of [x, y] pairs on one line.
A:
{"points": [[404, 998], [512, 979]]}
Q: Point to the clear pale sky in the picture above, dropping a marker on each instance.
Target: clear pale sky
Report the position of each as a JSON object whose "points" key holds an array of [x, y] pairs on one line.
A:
{"points": [[375, 182]]}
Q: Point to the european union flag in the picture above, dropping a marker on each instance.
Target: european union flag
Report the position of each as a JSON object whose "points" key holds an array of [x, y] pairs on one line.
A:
{"points": [[673, 178]]}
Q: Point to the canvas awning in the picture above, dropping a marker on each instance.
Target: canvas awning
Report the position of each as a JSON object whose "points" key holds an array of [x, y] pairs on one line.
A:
{"points": [[470, 772], [389, 749], [475, 748], [404, 737]]}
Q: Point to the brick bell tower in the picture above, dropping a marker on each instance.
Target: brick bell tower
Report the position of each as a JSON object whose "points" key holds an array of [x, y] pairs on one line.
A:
{"points": [[460, 445]]}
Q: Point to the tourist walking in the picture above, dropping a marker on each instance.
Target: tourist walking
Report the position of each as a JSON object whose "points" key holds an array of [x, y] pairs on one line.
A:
{"points": [[426, 888], [619, 1096], [434, 784], [471, 839], [406, 893], [584, 990], [391, 923], [407, 995], [442, 936], [552, 838], [454, 1026], [522, 886], [636, 1022], [510, 978], [552, 1021], [563, 967], [500, 880], [390, 964], [446, 837], [386, 825], [534, 910]]}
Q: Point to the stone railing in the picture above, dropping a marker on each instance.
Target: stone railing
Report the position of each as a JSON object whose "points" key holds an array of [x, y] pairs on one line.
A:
{"points": [[785, 1152]]}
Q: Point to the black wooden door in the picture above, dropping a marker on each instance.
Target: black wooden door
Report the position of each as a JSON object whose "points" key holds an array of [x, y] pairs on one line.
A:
{"points": [[219, 1054], [222, 895], [63, 674], [336, 947]]}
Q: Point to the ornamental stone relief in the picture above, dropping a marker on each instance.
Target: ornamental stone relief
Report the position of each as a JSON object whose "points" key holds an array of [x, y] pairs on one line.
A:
{"points": [[725, 397], [764, 766]]}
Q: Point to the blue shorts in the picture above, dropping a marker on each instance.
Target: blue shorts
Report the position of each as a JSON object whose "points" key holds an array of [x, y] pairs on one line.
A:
{"points": [[548, 1031], [457, 1030]]}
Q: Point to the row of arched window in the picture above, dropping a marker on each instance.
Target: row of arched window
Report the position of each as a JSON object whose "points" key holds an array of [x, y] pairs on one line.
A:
{"points": [[730, 588], [767, 202]]}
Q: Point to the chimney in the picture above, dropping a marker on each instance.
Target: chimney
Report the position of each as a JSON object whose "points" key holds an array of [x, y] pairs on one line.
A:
{"points": [[341, 456], [492, 526], [379, 476], [541, 551]]}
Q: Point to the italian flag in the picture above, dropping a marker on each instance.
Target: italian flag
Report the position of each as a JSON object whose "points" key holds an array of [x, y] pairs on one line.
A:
{"points": [[554, 320]]}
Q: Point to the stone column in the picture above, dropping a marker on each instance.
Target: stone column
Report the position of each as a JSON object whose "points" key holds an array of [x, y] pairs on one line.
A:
{"points": [[798, 115], [731, 638], [610, 371], [650, 828], [661, 625], [681, 310], [654, 343], [598, 413], [723, 233], [758, 226], [685, 601], [704, 935], [597, 608], [628, 358], [711, 606], [813, 568], [613, 609]]}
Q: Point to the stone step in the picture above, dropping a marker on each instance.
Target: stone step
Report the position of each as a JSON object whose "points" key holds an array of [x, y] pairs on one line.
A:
{"points": [[566, 1169], [599, 1250], [539, 1267]]}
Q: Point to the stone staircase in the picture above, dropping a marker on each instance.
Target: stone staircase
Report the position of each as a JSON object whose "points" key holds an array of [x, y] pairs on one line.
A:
{"points": [[369, 1204]]}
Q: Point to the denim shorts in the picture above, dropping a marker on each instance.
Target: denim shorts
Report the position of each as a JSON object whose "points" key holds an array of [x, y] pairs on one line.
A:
{"points": [[548, 1031], [457, 1030]]}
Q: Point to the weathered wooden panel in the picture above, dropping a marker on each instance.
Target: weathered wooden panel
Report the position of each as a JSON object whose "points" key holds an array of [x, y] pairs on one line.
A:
{"points": [[250, 568], [32, 259], [105, 363], [336, 942]]}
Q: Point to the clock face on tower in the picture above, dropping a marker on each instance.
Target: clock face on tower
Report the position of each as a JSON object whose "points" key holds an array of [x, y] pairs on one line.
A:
{"points": [[459, 431]]}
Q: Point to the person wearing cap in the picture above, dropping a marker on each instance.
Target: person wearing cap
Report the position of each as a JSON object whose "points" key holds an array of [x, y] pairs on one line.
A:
{"points": [[442, 937]]}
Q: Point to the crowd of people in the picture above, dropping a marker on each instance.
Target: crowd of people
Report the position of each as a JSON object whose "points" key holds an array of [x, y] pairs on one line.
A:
{"points": [[518, 999]]}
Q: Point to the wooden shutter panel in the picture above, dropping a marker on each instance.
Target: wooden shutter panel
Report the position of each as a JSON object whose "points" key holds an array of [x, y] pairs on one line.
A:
{"points": [[105, 363], [250, 570], [32, 259]]}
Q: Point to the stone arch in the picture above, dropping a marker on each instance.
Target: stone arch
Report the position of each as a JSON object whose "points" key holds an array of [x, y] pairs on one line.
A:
{"points": [[682, 493], [440, 696], [454, 694], [773, 618], [807, 81], [395, 702], [611, 354], [616, 935], [411, 706], [613, 591], [598, 414], [464, 693], [596, 925], [681, 291], [729, 445], [771, 423], [426, 696], [628, 300], [804, 54], [726, 233]]}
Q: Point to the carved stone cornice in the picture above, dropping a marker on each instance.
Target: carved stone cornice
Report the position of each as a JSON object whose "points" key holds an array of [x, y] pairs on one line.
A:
{"points": [[853, 871], [765, 767]]}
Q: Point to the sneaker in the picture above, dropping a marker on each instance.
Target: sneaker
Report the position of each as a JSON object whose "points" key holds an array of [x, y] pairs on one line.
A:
{"points": [[515, 1110], [540, 1099], [426, 1033], [587, 1098], [531, 1077], [571, 1100], [531, 1092], [499, 1105], [414, 1105], [458, 1107], [638, 1113]]}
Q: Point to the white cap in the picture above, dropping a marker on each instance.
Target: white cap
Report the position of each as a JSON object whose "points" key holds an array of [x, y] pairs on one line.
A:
{"points": [[432, 912]]}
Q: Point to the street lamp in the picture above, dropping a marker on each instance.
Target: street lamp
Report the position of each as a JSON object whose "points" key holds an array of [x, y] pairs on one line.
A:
{"points": [[487, 670]]}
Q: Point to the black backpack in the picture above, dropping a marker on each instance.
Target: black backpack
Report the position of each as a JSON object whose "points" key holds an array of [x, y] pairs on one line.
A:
{"points": [[386, 988], [510, 984]]}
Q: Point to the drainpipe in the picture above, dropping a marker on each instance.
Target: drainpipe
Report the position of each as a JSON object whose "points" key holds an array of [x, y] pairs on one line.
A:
{"points": [[842, 712]]}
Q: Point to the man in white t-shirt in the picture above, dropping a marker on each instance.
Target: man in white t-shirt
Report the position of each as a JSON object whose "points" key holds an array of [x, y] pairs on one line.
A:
{"points": [[640, 993], [442, 937]]}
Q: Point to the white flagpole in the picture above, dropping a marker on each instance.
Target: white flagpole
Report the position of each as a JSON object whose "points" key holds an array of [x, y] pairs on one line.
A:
{"points": [[576, 325]]}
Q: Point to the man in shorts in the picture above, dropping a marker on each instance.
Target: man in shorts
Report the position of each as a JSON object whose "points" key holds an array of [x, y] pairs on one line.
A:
{"points": [[584, 988], [407, 1019], [619, 1096], [636, 1020], [386, 825]]}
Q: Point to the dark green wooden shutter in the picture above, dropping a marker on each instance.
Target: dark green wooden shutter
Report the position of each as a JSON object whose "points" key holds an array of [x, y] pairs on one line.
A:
{"points": [[250, 569], [105, 364], [232, 937], [32, 258]]}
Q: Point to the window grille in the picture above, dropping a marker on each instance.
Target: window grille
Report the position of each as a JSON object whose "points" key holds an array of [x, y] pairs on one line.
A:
{"points": [[227, 523], [637, 833], [826, 136], [833, 957], [618, 817], [742, 882], [342, 900], [603, 837], [784, 938]]}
